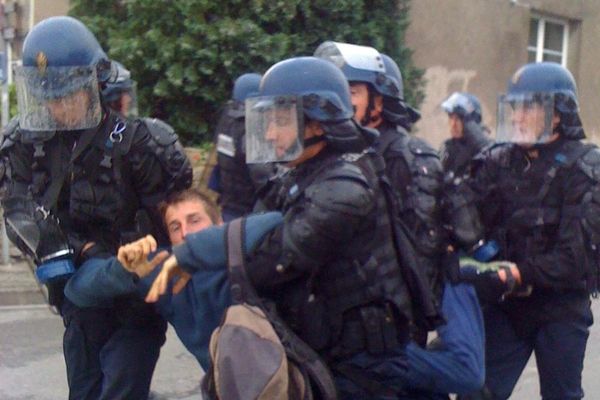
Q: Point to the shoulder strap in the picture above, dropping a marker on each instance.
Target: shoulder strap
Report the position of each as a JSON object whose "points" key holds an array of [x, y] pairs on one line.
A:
{"points": [[561, 160], [425, 311], [58, 176], [243, 292]]}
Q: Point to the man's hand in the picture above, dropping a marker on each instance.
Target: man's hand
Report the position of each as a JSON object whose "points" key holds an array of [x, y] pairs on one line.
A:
{"points": [[169, 270], [134, 256]]}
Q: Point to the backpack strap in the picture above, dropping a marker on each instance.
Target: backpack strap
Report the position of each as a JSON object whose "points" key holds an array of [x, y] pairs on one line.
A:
{"points": [[58, 175]]}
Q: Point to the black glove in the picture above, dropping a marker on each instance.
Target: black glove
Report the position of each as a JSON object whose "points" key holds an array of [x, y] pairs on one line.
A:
{"points": [[53, 242], [486, 280]]}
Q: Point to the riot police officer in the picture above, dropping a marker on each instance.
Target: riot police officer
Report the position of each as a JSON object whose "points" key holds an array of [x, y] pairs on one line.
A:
{"points": [[537, 195], [237, 182], [82, 180], [331, 268], [467, 134], [119, 93], [411, 165]]}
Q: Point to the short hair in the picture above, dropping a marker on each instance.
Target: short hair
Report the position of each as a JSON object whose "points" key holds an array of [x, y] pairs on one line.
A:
{"points": [[190, 195]]}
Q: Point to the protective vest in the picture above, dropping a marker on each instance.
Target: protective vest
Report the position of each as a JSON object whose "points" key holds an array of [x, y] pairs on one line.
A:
{"points": [[89, 183], [415, 174], [359, 300], [237, 191], [533, 202]]}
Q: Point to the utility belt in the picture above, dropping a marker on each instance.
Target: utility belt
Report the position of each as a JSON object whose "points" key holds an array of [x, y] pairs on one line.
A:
{"points": [[375, 329]]}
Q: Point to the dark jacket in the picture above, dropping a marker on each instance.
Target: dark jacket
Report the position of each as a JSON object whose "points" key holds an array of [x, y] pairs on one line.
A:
{"points": [[530, 203], [457, 153]]}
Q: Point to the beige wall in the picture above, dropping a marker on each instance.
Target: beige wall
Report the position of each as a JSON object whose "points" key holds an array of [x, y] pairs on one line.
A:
{"points": [[42, 9], [476, 45]]}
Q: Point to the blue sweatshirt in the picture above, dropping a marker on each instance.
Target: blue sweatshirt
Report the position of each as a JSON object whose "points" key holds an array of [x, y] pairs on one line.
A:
{"points": [[196, 311], [457, 367]]}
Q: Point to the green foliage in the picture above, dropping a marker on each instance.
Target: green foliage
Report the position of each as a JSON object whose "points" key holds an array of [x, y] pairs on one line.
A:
{"points": [[12, 102], [185, 54]]}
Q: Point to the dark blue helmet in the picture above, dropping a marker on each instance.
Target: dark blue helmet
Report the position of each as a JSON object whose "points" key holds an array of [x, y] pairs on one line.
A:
{"points": [[65, 42], [550, 78], [465, 105], [395, 108], [325, 95], [63, 63], [245, 86], [323, 88]]}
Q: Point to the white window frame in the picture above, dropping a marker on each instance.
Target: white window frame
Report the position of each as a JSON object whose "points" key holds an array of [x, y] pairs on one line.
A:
{"points": [[539, 48]]}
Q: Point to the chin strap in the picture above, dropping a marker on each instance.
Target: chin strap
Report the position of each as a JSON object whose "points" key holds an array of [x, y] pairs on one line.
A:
{"points": [[313, 140]]}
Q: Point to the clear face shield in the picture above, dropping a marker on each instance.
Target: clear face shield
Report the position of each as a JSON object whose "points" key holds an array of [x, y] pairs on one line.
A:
{"points": [[274, 129], [455, 101], [359, 57], [57, 98], [525, 119]]}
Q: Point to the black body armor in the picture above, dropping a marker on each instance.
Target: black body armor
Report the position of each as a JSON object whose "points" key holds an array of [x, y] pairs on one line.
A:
{"points": [[103, 184], [415, 174], [332, 268]]}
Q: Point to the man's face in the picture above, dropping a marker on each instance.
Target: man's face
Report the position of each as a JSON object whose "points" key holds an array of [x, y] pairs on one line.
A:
{"points": [[528, 121], [185, 217], [456, 126], [71, 110], [282, 130], [359, 95]]}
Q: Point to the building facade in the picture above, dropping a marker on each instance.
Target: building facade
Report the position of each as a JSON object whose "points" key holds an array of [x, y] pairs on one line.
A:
{"points": [[19, 16], [476, 45]]}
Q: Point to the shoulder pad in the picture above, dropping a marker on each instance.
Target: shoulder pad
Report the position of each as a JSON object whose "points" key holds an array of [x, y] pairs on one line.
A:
{"points": [[420, 147], [497, 152], [589, 163], [162, 132], [345, 169], [12, 127], [345, 190], [11, 134]]}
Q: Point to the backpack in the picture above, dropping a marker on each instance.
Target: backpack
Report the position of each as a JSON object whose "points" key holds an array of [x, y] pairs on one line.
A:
{"points": [[253, 354]]}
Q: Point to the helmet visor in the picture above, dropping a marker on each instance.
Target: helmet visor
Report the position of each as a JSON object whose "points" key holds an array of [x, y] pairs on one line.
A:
{"points": [[57, 98], [274, 129], [359, 57], [525, 119], [456, 102]]}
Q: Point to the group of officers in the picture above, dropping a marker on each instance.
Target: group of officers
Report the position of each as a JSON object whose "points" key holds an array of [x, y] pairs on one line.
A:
{"points": [[381, 240]]}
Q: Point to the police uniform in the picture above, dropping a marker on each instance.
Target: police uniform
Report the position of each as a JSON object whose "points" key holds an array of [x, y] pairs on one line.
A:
{"points": [[415, 174], [102, 178], [332, 271], [532, 206], [457, 153]]}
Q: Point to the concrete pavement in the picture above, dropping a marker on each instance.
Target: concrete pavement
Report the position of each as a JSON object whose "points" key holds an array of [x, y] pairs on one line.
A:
{"points": [[32, 365]]}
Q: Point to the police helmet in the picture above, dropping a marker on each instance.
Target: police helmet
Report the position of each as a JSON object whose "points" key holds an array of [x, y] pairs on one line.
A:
{"points": [[465, 105], [119, 84], [245, 86], [395, 108], [61, 60], [548, 78], [361, 64], [65, 42], [323, 95]]}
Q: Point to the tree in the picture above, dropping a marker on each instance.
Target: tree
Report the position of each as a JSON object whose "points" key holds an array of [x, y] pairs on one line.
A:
{"points": [[185, 54]]}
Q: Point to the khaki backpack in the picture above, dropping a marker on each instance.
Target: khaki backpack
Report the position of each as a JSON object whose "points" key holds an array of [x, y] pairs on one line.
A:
{"points": [[254, 355]]}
